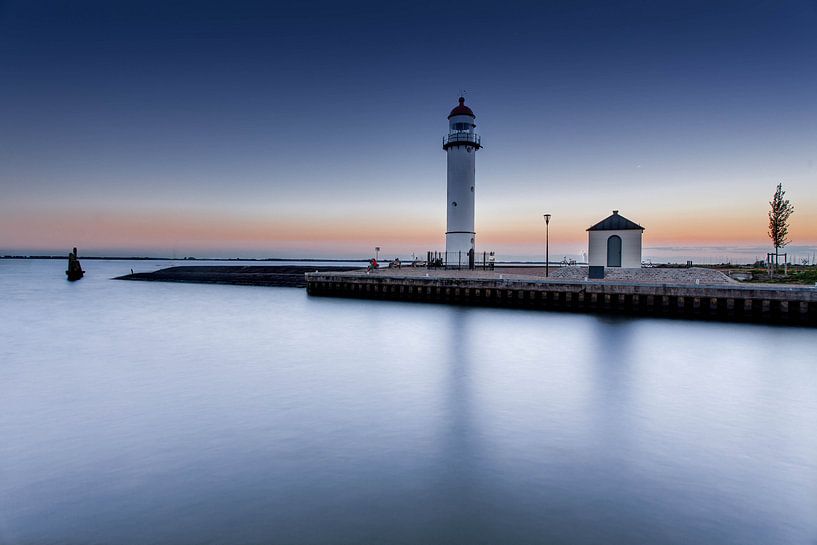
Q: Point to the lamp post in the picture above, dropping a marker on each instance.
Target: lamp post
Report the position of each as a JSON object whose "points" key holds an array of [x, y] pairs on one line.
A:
{"points": [[547, 241]]}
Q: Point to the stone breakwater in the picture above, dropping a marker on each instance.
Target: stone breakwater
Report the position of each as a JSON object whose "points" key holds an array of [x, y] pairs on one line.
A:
{"points": [[727, 300], [249, 275]]}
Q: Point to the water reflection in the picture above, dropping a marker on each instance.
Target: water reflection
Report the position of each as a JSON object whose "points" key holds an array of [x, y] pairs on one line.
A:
{"points": [[460, 447], [612, 386], [177, 414]]}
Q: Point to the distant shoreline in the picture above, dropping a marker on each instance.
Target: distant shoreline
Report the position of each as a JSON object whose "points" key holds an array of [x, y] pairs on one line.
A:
{"points": [[332, 260], [136, 258], [251, 259]]}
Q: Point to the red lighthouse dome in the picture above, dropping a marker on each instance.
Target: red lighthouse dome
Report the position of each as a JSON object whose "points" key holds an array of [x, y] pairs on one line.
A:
{"points": [[461, 109]]}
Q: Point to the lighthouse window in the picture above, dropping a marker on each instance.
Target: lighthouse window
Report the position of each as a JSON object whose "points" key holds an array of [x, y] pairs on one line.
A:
{"points": [[461, 126], [472, 189], [454, 203]]}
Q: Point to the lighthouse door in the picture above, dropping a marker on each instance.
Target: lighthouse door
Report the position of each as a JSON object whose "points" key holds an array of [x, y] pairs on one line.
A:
{"points": [[614, 251]]}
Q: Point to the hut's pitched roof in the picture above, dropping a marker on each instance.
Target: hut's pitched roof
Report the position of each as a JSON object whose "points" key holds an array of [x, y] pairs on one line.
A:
{"points": [[615, 222]]}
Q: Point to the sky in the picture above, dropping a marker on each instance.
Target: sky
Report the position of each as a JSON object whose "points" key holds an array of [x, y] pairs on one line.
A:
{"points": [[267, 129]]}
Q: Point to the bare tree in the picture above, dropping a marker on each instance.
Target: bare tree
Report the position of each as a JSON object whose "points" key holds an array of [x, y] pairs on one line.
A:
{"points": [[779, 214]]}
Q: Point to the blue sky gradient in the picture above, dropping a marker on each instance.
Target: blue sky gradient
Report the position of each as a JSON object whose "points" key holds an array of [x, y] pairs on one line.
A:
{"points": [[264, 128]]}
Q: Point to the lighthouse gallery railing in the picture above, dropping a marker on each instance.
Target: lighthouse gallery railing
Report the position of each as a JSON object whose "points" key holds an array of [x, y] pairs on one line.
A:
{"points": [[465, 137]]}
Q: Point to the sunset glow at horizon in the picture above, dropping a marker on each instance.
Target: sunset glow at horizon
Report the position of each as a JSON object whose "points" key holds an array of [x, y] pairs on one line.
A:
{"points": [[254, 130]]}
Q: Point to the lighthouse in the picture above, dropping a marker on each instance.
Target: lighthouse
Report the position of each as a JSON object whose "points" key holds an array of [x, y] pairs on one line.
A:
{"points": [[461, 146]]}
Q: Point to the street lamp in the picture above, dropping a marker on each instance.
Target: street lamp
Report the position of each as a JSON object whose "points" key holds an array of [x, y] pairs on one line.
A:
{"points": [[547, 252]]}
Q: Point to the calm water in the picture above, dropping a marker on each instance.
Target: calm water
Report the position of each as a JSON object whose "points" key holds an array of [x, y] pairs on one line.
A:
{"points": [[134, 413]]}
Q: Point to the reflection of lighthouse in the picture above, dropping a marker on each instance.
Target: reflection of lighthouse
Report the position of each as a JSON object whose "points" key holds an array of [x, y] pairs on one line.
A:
{"points": [[461, 145]]}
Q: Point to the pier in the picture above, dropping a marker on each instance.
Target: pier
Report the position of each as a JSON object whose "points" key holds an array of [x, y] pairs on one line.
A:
{"points": [[774, 304]]}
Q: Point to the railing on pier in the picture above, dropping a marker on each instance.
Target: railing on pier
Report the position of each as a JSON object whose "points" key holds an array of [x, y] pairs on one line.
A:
{"points": [[460, 260]]}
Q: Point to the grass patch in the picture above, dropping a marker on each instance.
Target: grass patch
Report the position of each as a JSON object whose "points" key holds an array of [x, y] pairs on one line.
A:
{"points": [[797, 275]]}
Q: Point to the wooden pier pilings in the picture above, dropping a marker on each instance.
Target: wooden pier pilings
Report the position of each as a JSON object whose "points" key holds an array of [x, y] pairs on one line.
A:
{"points": [[732, 302]]}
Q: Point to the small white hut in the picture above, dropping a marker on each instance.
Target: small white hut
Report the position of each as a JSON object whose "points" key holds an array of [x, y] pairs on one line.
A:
{"points": [[615, 242]]}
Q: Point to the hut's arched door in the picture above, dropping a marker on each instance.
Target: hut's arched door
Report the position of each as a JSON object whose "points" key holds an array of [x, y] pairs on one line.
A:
{"points": [[614, 251]]}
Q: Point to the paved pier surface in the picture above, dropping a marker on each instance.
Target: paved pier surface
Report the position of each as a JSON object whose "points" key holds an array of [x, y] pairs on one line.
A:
{"points": [[250, 275], [722, 299]]}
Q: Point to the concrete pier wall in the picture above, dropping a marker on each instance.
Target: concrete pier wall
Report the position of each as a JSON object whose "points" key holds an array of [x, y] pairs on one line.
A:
{"points": [[743, 303]]}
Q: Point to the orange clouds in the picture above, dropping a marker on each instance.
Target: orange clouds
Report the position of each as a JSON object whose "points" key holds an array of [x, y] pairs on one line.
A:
{"points": [[202, 230], [410, 230]]}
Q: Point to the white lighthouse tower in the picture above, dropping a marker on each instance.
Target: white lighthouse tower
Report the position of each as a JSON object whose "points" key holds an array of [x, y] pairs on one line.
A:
{"points": [[461, 145]]}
